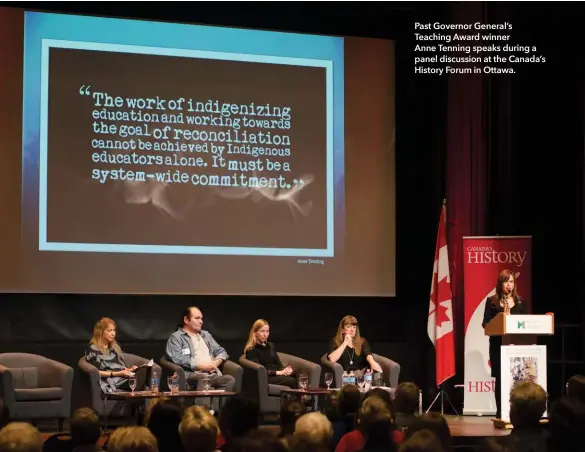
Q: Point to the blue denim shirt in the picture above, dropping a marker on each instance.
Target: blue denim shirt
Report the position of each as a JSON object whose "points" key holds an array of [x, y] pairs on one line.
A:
{"points": [[179, 341]]}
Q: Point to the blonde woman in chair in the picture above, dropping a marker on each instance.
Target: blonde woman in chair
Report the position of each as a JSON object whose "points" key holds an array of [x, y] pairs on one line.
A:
{"points": [[260, 351], [106, 355], [349, 349]]}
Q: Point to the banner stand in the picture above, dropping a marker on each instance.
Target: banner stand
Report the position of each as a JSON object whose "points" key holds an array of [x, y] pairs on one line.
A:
{"points": [[483, 259]]}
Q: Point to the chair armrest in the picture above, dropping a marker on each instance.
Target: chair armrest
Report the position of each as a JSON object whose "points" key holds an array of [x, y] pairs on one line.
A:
{"points": [[391, 369], [63, 372], [301, 365], [170, 367], [7, 387], [235, 370], [336, 368], [255, 378]]}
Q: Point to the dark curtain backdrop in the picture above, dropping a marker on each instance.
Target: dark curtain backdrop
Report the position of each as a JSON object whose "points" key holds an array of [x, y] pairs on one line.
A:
{"points": [[506, 152]]}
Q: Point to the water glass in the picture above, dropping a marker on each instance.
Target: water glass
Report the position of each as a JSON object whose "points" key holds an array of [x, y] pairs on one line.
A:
{"points": [[132, 383], [328, 379], [361, 381], [205, 384], [170, 383], [378, 380], [303, 381]]}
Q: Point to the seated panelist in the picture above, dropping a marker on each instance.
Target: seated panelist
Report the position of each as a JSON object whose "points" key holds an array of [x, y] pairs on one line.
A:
{"points": [[260, 351], [350, 349], [106, 355]]}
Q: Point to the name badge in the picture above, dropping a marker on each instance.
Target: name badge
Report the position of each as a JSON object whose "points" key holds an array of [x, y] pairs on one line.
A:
{"points": [[186, 351]]}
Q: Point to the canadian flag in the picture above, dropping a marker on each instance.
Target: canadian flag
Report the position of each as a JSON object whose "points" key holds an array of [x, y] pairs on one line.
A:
{"points": [[440, 321]]}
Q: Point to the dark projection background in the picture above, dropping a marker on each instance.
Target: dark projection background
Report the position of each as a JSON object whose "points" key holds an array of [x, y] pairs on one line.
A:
{"points": [[535, 137]]}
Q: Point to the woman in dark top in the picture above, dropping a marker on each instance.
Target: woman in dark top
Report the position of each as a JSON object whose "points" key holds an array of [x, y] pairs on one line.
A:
{"points": [[507, 300], [351, 350], [105, 354], [260, 351]]}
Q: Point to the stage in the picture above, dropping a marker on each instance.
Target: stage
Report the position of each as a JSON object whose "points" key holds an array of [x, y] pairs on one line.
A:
{"points": [[466, 430]]}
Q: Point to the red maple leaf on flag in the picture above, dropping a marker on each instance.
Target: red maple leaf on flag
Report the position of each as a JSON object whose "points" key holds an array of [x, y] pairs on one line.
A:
{"points": [[444, 294]]}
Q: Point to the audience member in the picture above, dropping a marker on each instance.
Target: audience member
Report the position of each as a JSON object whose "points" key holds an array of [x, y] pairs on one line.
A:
{"points": [[289, 414], [576, 387], [375, 428], [198, 430], [437, 424], [132, 439], [163, 422], [257, 441], [20, 437], [238, 416], [527, 405], [313, 433], [405, 404], [85, 430], [344, 416], [566, 420]]}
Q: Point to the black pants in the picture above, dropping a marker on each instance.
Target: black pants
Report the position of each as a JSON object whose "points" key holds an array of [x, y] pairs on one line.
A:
{"points": [[281, 380]]}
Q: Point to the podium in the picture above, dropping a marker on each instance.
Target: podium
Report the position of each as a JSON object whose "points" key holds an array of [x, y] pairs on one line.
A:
{"points": [[521, 358]]}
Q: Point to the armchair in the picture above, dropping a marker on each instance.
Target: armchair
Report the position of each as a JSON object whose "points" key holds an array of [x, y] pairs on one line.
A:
{"points": [[391, 370], [255, 380], [35, 387], [91, 381]]}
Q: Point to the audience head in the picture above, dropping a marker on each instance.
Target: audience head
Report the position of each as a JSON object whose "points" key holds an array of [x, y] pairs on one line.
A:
{"points": [[238, 416], [132, 439], [437, 424], [349, 399], [422, 441], [258, 334], [527, 404], [191, 320], [4, 414], [566, 419], [381, 394], [163, 422], [376, 423], [406, 398], [20, 437], [313, 431], [84, 427], [289, 414], [104, 335], [498, 444], [198, 430], [576, 387]]}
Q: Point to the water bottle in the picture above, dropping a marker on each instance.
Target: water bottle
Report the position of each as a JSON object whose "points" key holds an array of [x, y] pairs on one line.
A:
{"points": [[368, 377], [352, 379], [175, 383], [345, 379], [154, 383]]}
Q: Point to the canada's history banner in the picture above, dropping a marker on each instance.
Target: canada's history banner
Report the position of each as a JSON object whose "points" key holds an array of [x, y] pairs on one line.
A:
{"points": [[484, 258]]}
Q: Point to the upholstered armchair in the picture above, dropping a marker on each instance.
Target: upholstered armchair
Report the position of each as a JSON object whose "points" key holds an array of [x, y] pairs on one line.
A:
{"points": [[91, 381], [391, 370], [255, 380], [34, 387], [227, 368]]}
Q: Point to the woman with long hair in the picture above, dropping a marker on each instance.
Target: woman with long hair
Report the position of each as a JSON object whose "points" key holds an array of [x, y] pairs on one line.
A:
{"points": [[106, 355], [505, 300], [260, 351], [350, 349]]}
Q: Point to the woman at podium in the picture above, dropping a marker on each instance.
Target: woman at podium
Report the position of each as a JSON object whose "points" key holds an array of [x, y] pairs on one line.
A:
{"points": [[505, 300]]}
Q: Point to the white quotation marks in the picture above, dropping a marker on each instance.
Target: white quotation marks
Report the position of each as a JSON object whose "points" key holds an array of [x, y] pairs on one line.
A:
{"points": [[298, 182], [84, 90]]}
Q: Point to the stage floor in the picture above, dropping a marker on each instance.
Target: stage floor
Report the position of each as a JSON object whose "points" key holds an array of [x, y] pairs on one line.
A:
{"points": [[473, 426]]}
